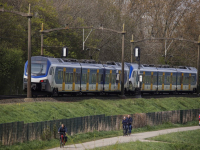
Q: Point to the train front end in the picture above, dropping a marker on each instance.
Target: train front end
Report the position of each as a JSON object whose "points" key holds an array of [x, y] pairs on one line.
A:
{"points": [[39, 70]]}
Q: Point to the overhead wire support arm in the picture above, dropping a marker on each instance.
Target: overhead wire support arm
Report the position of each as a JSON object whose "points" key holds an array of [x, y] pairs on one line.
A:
{"points": [[84, 40]]}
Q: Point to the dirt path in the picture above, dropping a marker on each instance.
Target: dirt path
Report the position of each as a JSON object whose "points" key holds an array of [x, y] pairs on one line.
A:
{"points": [[121, 139]]}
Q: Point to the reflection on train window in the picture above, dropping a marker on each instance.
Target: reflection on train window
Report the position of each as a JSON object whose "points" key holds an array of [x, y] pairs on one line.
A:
{"points": [[154, 80], [193, 79], [107, 77], [147, 80], [179, 79], [69, 78], [160, 77], [60, 75], [167, 79], [185, 80], [93, 78], [84, 78], [78, 75], [174, 80], [113, 79], [100, 78]]}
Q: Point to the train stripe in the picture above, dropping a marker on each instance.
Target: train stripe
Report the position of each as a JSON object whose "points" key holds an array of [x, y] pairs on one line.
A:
{"points": [[97, 80], [182, 81], [74, 77], [151, 81], [88, 75], [171, 81], [110, 80], [163, 79], [189, 82], [63, 84]]}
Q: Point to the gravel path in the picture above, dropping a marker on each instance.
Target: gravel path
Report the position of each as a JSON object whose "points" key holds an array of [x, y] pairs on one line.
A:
{"points": [[121, 139]]}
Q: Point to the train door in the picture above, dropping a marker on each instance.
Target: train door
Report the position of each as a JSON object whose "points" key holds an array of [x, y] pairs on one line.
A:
{"points": [[100, 79], [154, 84], [59, 78], [167, 81], [85, 80], [185, 83], [146, 84], [77, 79], [178, 81], [107, 84], [93, 80], [68, 79], [113, 83], [161, 76], [193, 81], [173, 81]]}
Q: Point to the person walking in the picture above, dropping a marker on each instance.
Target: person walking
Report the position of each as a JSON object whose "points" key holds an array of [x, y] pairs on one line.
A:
{"points": [[129, 122], [125, 126]]}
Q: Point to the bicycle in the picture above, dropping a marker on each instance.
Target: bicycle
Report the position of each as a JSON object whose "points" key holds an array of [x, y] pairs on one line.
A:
{"points": [[62, 143]]}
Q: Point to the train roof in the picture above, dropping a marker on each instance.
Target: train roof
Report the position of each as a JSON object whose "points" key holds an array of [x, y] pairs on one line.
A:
{"points": [[91, 66]]}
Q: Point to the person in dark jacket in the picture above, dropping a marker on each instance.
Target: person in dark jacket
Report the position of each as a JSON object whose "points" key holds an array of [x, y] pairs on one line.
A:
{"points": [[129, 122], [125, 126], [63, 130]]}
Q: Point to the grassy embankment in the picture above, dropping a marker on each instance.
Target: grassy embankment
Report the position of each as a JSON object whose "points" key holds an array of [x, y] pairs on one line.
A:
{"points": [[43, 111], [187, 140], [80, 138]]}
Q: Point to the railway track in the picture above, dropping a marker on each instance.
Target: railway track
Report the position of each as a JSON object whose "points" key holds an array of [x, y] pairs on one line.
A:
{"points": [[66, 98]]}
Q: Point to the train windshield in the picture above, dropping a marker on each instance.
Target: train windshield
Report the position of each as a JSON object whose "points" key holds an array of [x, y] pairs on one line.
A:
{"points": [[38, 68]]}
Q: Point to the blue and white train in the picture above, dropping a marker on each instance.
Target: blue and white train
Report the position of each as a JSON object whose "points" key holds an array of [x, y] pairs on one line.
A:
{"points": [[58, 76]]}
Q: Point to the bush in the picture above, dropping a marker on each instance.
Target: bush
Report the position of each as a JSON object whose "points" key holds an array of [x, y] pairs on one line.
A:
{"points": [[46, 134]]}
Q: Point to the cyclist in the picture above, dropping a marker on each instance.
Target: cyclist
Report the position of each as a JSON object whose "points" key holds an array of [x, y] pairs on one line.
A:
{"points": [[63, 130]]}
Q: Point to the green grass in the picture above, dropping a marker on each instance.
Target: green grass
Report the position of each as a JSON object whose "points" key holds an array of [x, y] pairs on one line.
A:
{"points": [[81, 138], [43, 111], [187, 140]]}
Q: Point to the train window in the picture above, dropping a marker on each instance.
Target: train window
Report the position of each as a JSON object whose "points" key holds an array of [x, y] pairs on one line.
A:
{"points": [[160, 77], [185, 80], [167, 79], [179, 79], [60, 75], [107, 77], [100, 78], [113, 78], [93, 78], [154, 79], [78, 76], [174, 80], [84, 78], [147, 80], [193, 79], [66, 77]]}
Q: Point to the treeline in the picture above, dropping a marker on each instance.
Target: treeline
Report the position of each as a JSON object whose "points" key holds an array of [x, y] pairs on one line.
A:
{"points": [[143, 19]]}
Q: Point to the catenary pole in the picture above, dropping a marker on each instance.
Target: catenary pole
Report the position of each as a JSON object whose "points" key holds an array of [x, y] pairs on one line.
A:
{"points": [[29, 94]]}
